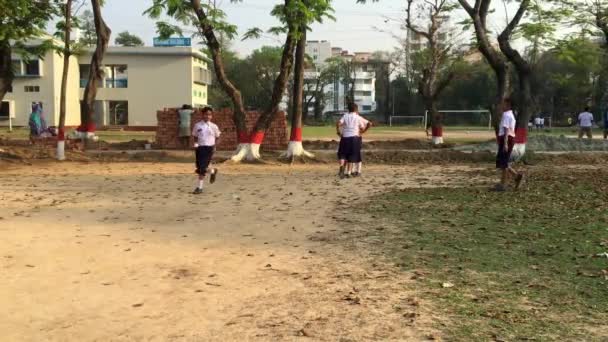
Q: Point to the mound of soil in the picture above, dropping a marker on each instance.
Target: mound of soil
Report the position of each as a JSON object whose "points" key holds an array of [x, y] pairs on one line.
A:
{"points": [[546, 143], [405, 144]]}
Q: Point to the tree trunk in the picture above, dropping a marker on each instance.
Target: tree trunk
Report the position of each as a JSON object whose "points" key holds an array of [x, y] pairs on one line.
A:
{"points": [[233, 93], [496, 60], [64, 80], [251, 151], [96, 75], [295, 148], [524, 75], [6, 71]]}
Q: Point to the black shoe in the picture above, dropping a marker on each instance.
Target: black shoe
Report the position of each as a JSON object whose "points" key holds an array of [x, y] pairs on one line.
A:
{"points": [[197, 191], [213, 176], [356, 174], [347, 175]]}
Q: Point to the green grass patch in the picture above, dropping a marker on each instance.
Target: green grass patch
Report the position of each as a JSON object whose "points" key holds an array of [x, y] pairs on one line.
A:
{"points": [[522, 263]]}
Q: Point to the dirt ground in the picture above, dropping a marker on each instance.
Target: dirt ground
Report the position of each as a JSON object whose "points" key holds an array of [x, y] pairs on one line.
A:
{"points": [[123, 252]]}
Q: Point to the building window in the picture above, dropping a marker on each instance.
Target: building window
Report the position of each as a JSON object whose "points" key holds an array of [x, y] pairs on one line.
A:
{"points": [[32, 68], [31, 89], [5, 110], [366, 108], [116, 76], [25, 69], [85, 70], [119, 113]]}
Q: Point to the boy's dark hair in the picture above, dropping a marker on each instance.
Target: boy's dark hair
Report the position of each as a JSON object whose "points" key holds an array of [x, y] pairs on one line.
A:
{"points": [[206, 109], [352, 107], [586, 108], [508, 101], [186, 106]]}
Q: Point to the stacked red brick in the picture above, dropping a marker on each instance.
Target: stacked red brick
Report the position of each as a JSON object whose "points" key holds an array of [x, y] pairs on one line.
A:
{"points": [[167, 129]]}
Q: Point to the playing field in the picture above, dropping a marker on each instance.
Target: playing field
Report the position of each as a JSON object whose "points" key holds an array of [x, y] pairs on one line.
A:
{"points": [[121, 251]]}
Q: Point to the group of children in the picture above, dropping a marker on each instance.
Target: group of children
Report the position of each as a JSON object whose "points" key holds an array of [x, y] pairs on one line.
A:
{"points": [[350, 129]]}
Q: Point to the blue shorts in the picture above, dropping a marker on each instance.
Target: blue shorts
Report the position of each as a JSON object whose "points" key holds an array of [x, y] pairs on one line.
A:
{"points": [[350, 149], [502, 156], [203, 159]]}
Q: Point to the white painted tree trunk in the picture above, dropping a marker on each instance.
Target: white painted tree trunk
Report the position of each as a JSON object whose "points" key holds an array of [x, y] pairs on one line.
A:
{"points": [[518, 151], [61, 150], [296, 149], [247, 152], [437, 140]]}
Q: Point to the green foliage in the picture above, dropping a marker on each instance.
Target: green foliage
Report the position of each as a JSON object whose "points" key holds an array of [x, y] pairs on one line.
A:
{"points": [[22, 20], [183, 12], [86, 23], [127, 39]]}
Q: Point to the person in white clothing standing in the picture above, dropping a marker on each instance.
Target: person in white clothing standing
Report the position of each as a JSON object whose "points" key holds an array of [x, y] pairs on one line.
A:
{"points": [[506, 141], [585, 123], [349, 128], [206, 134]]}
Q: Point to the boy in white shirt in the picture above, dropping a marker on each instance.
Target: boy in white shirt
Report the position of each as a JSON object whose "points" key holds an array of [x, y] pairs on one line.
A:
{"points": [[506, 141], [349, 128], [585, 122], [206, 134]]}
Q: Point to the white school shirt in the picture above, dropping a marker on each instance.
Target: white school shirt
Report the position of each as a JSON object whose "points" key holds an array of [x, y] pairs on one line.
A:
{"points": [[507, 124], [206, 133], [537, 121], [585, 119], [352, 124]]}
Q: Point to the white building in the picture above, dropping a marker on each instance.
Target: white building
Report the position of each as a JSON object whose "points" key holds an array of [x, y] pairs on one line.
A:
{"points": [[362, 72], [319, 51], [138, 81]]}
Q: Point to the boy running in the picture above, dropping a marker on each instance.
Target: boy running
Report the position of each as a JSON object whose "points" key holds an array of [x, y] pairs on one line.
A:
{"points": [[349, 128], [506, 141], [206, 133]]}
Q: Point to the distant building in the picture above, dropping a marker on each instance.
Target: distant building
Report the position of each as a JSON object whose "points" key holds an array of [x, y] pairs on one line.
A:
{"points": [[318, 50], [137, 82], [362, 73]]}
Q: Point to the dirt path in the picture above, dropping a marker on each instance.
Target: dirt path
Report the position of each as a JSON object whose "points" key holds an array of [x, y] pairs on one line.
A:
{"points": [[123, 252]]}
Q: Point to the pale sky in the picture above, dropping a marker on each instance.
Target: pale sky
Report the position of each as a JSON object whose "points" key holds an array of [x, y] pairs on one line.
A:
{"points": [[358, 27], [354, 28]]}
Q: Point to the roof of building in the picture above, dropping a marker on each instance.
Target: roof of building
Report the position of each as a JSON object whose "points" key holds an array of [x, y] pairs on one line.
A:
{"points": [[154, 51]]}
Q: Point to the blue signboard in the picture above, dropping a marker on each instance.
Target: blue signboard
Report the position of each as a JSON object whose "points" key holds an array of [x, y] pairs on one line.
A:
{"points": [[172, 42]]}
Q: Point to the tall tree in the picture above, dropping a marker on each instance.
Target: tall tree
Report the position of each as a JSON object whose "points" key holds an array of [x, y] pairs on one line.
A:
{"points": [[524, 76], [67, 52], [295, 148], [96, 75], [307, 12], [127, 39], [497, 61], [21, 21], [437, 65]]}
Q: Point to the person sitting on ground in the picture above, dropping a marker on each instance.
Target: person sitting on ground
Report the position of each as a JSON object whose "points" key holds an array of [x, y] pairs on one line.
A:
{"points": [[585, 123], [506, 141], [38, 128], [349, 128]]}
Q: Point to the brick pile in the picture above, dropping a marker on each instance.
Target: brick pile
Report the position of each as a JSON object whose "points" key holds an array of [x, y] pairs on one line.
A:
{"points": [[167, 130]]}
